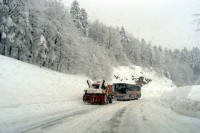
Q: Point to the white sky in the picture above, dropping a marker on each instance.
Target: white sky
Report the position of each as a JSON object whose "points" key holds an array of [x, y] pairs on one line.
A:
{"points": [[168, 23]]}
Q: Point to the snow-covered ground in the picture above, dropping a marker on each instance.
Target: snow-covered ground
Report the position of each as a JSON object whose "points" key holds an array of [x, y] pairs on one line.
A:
{"points": [[34, 99]]}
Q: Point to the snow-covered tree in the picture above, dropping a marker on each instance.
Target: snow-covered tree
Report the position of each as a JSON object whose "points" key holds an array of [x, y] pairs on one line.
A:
{"points": [[75, 12], [144, 54], [80, 17], [195, 60], [84, 21], [123, 34]]}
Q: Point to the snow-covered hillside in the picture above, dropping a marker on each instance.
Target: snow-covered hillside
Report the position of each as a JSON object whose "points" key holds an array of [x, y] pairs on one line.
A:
{"points": [[27, 90]]}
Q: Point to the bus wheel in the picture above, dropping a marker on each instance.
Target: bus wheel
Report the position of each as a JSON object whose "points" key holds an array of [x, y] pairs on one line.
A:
{"points": [[129, 98]]}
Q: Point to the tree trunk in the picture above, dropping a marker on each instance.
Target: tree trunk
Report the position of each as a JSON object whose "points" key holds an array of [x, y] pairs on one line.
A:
{"points": [[0, 37], [10, 51], [43, 64], [18, 57], [4, 50], [57, 66], [59, 61], [60, 67]]}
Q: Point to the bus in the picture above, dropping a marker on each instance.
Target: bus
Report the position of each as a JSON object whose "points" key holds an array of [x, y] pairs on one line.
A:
{"points": [[124, 91]]}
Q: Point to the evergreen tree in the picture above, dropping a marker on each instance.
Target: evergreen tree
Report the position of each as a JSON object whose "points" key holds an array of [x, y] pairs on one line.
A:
{"points": [[75, 12], [84, 21], [184, 57], [156, 62], [150, 54], [144, 54], [124, 38]]}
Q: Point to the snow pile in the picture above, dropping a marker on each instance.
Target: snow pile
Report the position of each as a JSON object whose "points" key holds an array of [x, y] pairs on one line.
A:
{"points": [[125, 74], [155, 88], [27, 90], [184, 100]]}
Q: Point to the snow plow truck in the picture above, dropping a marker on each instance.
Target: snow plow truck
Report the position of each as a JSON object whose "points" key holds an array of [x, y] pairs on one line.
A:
{"points": [[98, 93]]}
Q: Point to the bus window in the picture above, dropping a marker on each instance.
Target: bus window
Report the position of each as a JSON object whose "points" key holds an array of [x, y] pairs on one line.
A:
{"points": [[130, 87], [122, 90], [138, 88]]}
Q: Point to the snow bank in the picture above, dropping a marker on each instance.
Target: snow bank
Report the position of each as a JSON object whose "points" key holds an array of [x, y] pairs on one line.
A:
{"points": [[194, 93], [155, 88], [184, 100], [27, 90]]}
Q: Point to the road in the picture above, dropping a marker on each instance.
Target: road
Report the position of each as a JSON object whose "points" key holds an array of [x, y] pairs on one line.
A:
{"points": [[136, 116]]}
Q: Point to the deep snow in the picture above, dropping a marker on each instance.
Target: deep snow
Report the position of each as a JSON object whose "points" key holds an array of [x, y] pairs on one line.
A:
{"points": [[184, 100]]}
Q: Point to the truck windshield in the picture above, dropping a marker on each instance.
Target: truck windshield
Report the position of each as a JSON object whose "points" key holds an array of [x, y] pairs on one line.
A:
{"points": [[95, 86]]}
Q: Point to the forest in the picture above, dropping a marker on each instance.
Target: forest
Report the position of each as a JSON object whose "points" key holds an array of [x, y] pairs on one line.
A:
{"points": [[50, 35]]}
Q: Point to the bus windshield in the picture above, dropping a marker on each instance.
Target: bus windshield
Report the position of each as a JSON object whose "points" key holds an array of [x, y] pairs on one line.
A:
{"points": [[120, 88]]}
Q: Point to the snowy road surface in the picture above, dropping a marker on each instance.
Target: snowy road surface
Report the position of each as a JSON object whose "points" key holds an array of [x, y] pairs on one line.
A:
{"points": [[137, 116]]}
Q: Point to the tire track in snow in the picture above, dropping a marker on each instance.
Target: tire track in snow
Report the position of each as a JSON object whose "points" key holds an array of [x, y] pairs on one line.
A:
{"points": [[50, 122], [116, 120]]}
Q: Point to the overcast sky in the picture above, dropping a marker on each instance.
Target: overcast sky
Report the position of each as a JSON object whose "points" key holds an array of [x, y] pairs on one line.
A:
{"points": [[168, 23]]}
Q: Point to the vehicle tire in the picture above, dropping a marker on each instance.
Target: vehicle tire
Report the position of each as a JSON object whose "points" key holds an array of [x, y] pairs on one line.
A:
{"points": [[110, 99], [129, 98], [84, 98]]}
